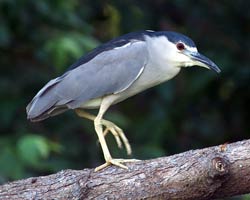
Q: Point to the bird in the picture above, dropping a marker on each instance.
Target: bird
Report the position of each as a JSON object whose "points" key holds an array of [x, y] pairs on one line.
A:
{"points": [[113, 72]]}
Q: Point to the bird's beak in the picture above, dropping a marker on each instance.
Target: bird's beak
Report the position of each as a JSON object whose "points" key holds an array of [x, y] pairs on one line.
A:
{"points": [[202, 61]]}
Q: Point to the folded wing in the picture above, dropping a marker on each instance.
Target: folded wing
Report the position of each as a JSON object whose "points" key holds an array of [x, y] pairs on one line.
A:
{"points": [[109, 72]]}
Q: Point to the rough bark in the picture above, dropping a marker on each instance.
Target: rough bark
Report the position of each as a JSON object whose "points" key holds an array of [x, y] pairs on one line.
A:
{"points": [[208, 173]]}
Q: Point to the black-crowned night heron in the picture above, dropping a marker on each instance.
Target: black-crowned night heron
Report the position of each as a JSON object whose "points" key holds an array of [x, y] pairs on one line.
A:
{"points": [[113, 72]]}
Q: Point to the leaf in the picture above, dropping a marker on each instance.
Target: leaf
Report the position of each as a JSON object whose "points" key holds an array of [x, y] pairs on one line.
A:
{"points": [[33, 148], [67, 46]]}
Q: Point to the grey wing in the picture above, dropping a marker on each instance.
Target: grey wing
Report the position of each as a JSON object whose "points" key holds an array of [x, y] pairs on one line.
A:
{"points": [[109, 72]]}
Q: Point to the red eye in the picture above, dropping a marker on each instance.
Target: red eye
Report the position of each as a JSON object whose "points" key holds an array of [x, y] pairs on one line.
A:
{"points": [[180, 46]]}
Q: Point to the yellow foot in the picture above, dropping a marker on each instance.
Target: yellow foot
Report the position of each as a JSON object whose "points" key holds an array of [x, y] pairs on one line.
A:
{"points": [[118, 134], [116, 162]]}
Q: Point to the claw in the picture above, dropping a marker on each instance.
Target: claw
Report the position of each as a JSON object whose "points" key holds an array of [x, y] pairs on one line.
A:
{"points": [[110, 127], [116, 162], [117, 138], [118, 134]]}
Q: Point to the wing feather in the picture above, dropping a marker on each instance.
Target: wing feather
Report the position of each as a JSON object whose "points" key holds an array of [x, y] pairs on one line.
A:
{"points": [[109, 72]]}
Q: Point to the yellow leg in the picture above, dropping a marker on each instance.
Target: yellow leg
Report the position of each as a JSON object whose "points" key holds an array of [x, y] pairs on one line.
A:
{"points": [[106, 102], [110, 126]]}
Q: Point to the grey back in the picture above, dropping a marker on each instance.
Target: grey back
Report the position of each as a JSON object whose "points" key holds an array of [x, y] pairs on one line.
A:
{"points": [[107, 73]]}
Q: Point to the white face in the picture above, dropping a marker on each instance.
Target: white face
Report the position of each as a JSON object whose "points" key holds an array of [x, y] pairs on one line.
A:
{"points": [[181, 59], [161, 46], [177, 54]]}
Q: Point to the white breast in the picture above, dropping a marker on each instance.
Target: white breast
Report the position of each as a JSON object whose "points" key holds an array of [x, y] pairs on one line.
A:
{"points": [[157, 70]]}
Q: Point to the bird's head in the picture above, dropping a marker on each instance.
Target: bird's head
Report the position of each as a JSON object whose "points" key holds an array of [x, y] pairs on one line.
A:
{"points": [[180, 50]]}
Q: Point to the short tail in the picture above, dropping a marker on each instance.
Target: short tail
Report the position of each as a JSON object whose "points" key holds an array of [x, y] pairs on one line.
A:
{"points": [[46, 114], [44, 104]]}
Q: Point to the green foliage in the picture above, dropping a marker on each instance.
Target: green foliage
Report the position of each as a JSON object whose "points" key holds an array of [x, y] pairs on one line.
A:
{"points": [[246, 197], [65, 48], [32, 148], [40, 39]]}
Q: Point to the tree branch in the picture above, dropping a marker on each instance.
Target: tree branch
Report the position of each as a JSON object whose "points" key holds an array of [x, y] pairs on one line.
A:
{"points": [[208, 173]]}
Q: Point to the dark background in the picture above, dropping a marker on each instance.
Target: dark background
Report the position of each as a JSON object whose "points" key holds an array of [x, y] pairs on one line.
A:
{"points": [[198, 108]]}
